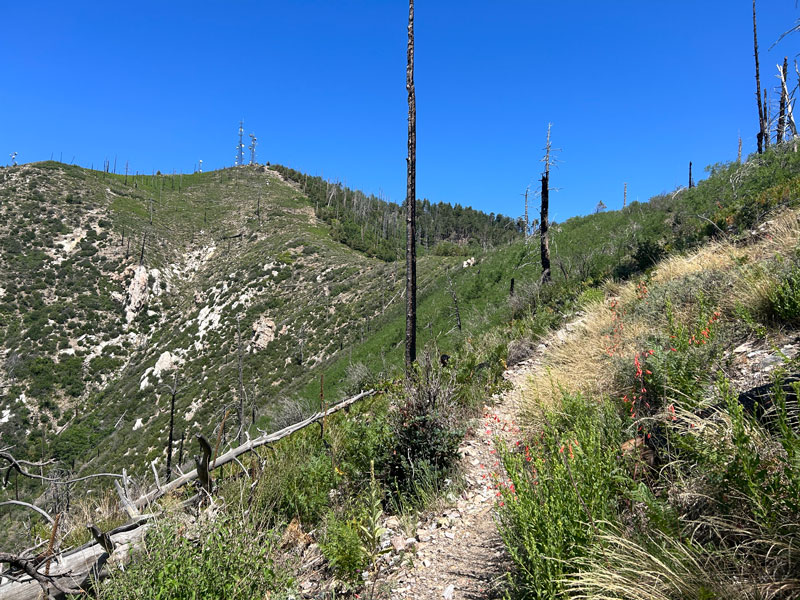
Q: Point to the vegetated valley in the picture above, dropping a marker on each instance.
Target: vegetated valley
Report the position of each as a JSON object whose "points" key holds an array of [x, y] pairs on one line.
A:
{"points": [[252, 297]]}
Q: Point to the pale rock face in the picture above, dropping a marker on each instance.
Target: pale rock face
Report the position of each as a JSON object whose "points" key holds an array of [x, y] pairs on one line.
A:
{"points": [[263, 332], [468, 263], [208, 319], [157, 279], [166, 362], [189, 414], [137, 425], [145, 382], [136, 296], [6, 416]]}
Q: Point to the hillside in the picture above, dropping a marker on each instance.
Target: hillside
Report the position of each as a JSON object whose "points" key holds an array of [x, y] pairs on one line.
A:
{"points": [[240, 254]]}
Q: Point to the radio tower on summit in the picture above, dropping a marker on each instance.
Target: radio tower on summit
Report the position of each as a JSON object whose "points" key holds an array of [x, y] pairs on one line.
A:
{"points": [[240, 146]]}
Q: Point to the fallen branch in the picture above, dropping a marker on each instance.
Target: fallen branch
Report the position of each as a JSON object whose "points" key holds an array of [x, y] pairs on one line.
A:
{"points": [[74, 570], [30, 568], [16, 464], [71, 572], [31, 506], [247, 447]]}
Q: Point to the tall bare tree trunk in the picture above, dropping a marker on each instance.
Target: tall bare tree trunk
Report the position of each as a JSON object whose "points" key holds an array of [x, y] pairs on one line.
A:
{"points": [[411, 201], [691, 181], [527, 221], [171, 436], [544, 224], [766, 120], [784, 72], [240, 364], [761, 123]]}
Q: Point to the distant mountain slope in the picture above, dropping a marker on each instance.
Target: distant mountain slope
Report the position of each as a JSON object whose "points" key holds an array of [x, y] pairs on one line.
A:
{"points": [[377, 227], [112, 285]]}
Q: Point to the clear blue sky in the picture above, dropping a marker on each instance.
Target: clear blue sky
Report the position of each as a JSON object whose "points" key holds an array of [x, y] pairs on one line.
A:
{"points": [[634, 89]]}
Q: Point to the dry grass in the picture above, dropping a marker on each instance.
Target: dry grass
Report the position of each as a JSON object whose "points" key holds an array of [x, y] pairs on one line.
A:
{"points": [[659, 568], [580, 362]]}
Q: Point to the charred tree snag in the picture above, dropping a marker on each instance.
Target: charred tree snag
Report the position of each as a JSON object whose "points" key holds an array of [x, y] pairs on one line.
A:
{"points": [[173, 390], [544, 224], [691, 181], [456, 311], [761, 108], [411, 201], [201, 462]]}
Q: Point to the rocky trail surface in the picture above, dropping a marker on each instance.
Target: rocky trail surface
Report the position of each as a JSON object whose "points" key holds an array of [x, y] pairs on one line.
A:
{"points": [[458, 553]]}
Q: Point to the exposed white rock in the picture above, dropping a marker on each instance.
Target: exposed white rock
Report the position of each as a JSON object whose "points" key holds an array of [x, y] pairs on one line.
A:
{"points": [[166, 362], [158, 277], [136, 295], [208, 319], [6, 416], [189, 415], [67, 243], [137, 425], [468, 263], [263, 332]]}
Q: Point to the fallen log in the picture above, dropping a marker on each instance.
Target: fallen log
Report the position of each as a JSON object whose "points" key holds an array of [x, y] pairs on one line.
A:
{"points": [[78, 567], [73, 570], [249, 446]]}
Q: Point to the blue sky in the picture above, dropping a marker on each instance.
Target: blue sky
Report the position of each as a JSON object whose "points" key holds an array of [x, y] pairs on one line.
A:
{"points": [[635, 89]]}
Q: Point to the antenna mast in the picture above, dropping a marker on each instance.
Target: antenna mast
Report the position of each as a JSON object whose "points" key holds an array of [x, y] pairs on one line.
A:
{"points": [[253, 144], [240, 146]]}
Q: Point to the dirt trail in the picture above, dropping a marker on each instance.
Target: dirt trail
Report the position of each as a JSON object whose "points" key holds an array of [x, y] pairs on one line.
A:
{"points": [[459, 553]]}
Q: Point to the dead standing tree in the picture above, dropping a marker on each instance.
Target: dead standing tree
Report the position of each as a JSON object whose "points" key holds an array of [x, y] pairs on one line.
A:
{"points": [[544, 224], [782, 74], [763, 135], [173, 391], [411, 201]]}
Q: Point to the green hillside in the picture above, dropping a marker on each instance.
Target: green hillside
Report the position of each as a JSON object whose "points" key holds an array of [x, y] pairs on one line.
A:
{"points": [[239, 254]]}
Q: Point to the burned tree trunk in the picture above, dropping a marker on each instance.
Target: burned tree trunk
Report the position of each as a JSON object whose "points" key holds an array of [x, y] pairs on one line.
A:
{"points": [[766, 121], [456, 311], [544, 224], [691, 181], [411, 201], [761, 108], [171, 436]]}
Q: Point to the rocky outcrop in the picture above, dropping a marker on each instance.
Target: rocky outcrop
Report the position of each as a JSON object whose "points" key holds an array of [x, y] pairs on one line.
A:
{"points": [[136, 295], [263, 332]]}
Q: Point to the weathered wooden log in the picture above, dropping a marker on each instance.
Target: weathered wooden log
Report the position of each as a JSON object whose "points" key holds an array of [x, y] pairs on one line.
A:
{"points": [[77, 568], [247, 447]]}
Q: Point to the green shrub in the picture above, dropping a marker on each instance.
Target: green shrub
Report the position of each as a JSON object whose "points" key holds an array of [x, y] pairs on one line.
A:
{"points": [[341, 545], [591, 296], [427, 427], [231, 559], [784, 298], [562, 487]]}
